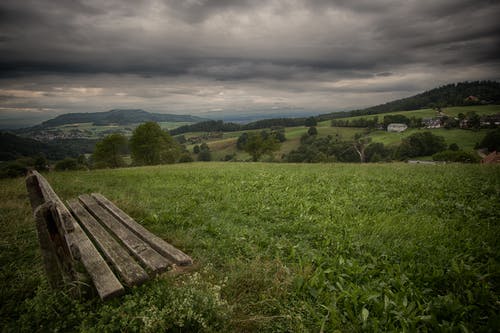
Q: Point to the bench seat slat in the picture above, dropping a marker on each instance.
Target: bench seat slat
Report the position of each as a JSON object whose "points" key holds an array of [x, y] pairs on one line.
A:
{"points": [[105, 281], [175, 255], [140, 249], [130, 271]]}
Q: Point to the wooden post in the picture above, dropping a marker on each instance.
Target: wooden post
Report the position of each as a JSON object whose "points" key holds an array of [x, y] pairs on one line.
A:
{"points": [[49, 254]]}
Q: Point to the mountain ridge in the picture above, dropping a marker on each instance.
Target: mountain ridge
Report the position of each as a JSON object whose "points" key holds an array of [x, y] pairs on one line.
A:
{"points": [[117, 116]]}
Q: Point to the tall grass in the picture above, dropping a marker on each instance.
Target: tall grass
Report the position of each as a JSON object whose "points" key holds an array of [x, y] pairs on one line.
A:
{"points": [[281, 248]]}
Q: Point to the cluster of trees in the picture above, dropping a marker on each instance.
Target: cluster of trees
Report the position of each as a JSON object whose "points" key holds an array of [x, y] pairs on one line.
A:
{"points": [[420, 144], [263, 143], [220, 126], [361, 149], [14, 147], [314, 149], [203, 152], [149, 145]]}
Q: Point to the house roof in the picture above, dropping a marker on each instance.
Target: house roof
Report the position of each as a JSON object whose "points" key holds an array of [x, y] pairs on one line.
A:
{"points": [[492, 158]]}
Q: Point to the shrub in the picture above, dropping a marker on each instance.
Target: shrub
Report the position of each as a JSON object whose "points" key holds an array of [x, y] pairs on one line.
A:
{"points": [[456, 156], [67, 164], [186, 158], [491, 141], [420, 144], [13, 169]]}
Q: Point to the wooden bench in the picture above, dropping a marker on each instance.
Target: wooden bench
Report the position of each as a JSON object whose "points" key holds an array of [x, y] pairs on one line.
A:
{"points": [[93, 239]]}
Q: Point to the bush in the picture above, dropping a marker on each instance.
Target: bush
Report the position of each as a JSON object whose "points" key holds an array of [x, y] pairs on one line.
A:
{"points": [[491, 141], [420, 144], [13, 169], [67, 164], [186, 158], [109, 152], [312, 131], [204, 155], [456, 156]]}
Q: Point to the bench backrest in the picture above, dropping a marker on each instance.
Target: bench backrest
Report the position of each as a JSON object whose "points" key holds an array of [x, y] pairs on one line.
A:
{"points": [[64, 244]]}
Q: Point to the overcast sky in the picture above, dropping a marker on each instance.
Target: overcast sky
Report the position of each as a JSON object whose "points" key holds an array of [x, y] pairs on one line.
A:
{"points": [[241, 56]]}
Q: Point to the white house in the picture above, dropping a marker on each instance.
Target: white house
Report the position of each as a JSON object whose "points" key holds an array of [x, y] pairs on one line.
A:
{"points": [[395, 127]]}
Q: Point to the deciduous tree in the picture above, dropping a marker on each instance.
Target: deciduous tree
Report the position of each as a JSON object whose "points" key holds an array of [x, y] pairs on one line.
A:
{"points": [[109, 152], [151, 145]]}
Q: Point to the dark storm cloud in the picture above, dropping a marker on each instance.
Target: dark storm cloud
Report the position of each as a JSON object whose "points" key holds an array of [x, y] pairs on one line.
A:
{"points": [[278, 53], [88, 37]]}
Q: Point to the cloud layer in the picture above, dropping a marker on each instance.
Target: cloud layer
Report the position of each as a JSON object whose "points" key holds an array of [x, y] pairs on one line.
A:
{"points": [[194, 56]]}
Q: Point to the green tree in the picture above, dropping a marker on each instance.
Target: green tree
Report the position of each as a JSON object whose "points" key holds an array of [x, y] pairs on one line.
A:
{"points": [[491, 141], [473, 120], [261, 144], [109, 152], [242, 141], [67, 164], [420, 144], [312, 131], [150, 145], [310, 122], [204, 155], [41, 163], [376, 152]]}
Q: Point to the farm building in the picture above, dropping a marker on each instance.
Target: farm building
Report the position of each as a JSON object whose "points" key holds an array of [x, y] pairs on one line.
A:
{"points": [[396, 127], [492, 158]]}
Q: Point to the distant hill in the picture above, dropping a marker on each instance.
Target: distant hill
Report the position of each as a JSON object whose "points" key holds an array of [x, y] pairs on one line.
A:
{"points": [[455, 94], [13, 146], [118, 116]]}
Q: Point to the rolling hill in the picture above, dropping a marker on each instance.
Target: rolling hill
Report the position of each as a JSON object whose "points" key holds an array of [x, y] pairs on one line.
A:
{"points": [[454, 94], [118, 116]]}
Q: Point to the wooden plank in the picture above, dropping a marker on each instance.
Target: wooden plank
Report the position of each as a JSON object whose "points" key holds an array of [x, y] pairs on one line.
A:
{"points": [[164, 248], [140, 249], [82, 249], [76, 245], [131, 272], [47, 248]]}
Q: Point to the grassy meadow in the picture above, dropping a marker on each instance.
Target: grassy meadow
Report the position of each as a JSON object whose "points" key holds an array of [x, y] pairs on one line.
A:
{"points": [[465, 139], [280, 248]]}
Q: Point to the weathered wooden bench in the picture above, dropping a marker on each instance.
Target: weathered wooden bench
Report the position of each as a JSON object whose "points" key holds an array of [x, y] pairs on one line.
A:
{"points": [[93, 239]]}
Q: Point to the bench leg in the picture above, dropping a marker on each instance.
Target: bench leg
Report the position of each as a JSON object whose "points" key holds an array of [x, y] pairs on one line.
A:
{"points": [[49, 253]]}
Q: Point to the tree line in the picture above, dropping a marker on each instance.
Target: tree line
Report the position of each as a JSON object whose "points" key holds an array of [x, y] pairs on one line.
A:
{"points": [[314, 149], [221, 126]]}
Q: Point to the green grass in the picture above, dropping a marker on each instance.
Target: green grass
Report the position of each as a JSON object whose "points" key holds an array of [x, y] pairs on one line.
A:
{"points": [[465, 139], [280, 248]]}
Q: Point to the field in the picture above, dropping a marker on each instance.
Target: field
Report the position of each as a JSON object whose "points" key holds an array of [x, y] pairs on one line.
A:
{"points": [[280, 248], [465, 139]]}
